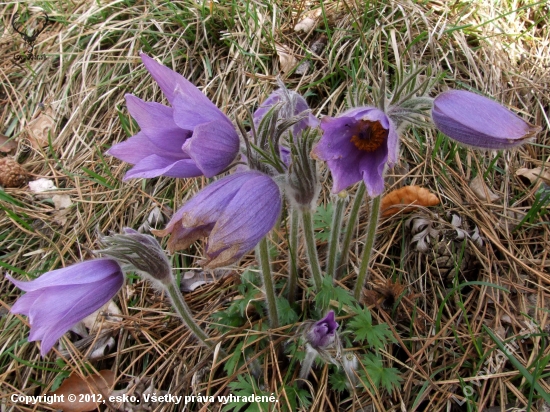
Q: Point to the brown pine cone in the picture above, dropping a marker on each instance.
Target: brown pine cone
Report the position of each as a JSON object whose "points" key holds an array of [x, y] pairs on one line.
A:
{"points": [[11, 173]]}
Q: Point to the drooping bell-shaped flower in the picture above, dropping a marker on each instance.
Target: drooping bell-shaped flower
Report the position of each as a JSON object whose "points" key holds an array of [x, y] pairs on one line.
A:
{"points": [[477, 121], [323, 332], [189, 138], [357, 145], [235, 212], [59, 299]]}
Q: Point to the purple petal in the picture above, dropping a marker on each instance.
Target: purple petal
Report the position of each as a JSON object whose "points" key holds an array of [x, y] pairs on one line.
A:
{"points": [[205, 207], [24, 303], [345, 172], [284, 153], [58, 299], [168, 81], [80, 273], [58, 309], [188, 113], [155, 165], [157, 123], [197, 217], [239, 232], [266, 105], [336, 140], [330, 321], [477, 121], [213, 147], [372, 170], [134, 149], [322, 332], [217, 211]]}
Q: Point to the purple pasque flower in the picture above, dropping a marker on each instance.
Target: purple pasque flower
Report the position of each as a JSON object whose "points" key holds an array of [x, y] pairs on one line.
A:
{"points": [[477, 121], [357, 145], [59, 299], [323, 332], [190, 138], [235, 212]]}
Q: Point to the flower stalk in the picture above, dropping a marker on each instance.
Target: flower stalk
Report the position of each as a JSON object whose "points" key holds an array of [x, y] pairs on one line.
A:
{"points": [[311, 247], [350, 228], [335, 234], [262, 254], [178, 302], [293, 262], [367, 251]]}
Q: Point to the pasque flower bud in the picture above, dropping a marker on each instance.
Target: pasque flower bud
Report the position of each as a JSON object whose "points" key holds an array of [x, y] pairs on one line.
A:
{"points": [[141, 253], [323, 332], [477, 121]]}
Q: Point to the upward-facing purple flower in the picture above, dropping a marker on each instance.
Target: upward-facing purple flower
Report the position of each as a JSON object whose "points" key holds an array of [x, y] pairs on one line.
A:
{"points": [[323, 332], [59, 299], [357, 145], [190, 138], [235, 212], [477, 121]]}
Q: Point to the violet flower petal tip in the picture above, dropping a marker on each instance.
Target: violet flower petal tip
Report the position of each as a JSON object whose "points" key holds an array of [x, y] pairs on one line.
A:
{"points": [[57, 300], [478, 121]]}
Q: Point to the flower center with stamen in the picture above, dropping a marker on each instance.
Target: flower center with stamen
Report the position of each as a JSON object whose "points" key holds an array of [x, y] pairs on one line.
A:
{"points": [[369, 136]]}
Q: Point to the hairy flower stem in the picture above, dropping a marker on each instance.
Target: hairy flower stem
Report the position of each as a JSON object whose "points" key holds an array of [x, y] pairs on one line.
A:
{"points": [[262, 255], [350, 228], [367, 251], [185, 314], [335, 236], [311, 247], [293, 246]]}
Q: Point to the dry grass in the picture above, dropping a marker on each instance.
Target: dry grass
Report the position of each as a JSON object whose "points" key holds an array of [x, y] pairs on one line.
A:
{"points": [[228, 49]]}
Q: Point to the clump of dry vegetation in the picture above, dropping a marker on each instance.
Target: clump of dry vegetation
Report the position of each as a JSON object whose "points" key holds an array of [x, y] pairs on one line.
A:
{"points": [[447, 305]]}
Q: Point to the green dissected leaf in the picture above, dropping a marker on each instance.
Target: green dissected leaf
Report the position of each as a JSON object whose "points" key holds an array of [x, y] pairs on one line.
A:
{"points": [[249, 298], [338, 381], [376, 335], [294, 350], [330, 292], [234, 315], [322, 221], [298, 399], [245, 386], [228, 317], [287, 315], [539, 207], [388, 378]]}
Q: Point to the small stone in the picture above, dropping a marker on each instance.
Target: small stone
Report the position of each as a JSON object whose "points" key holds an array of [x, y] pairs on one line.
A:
{"points": [[11, 173]]}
